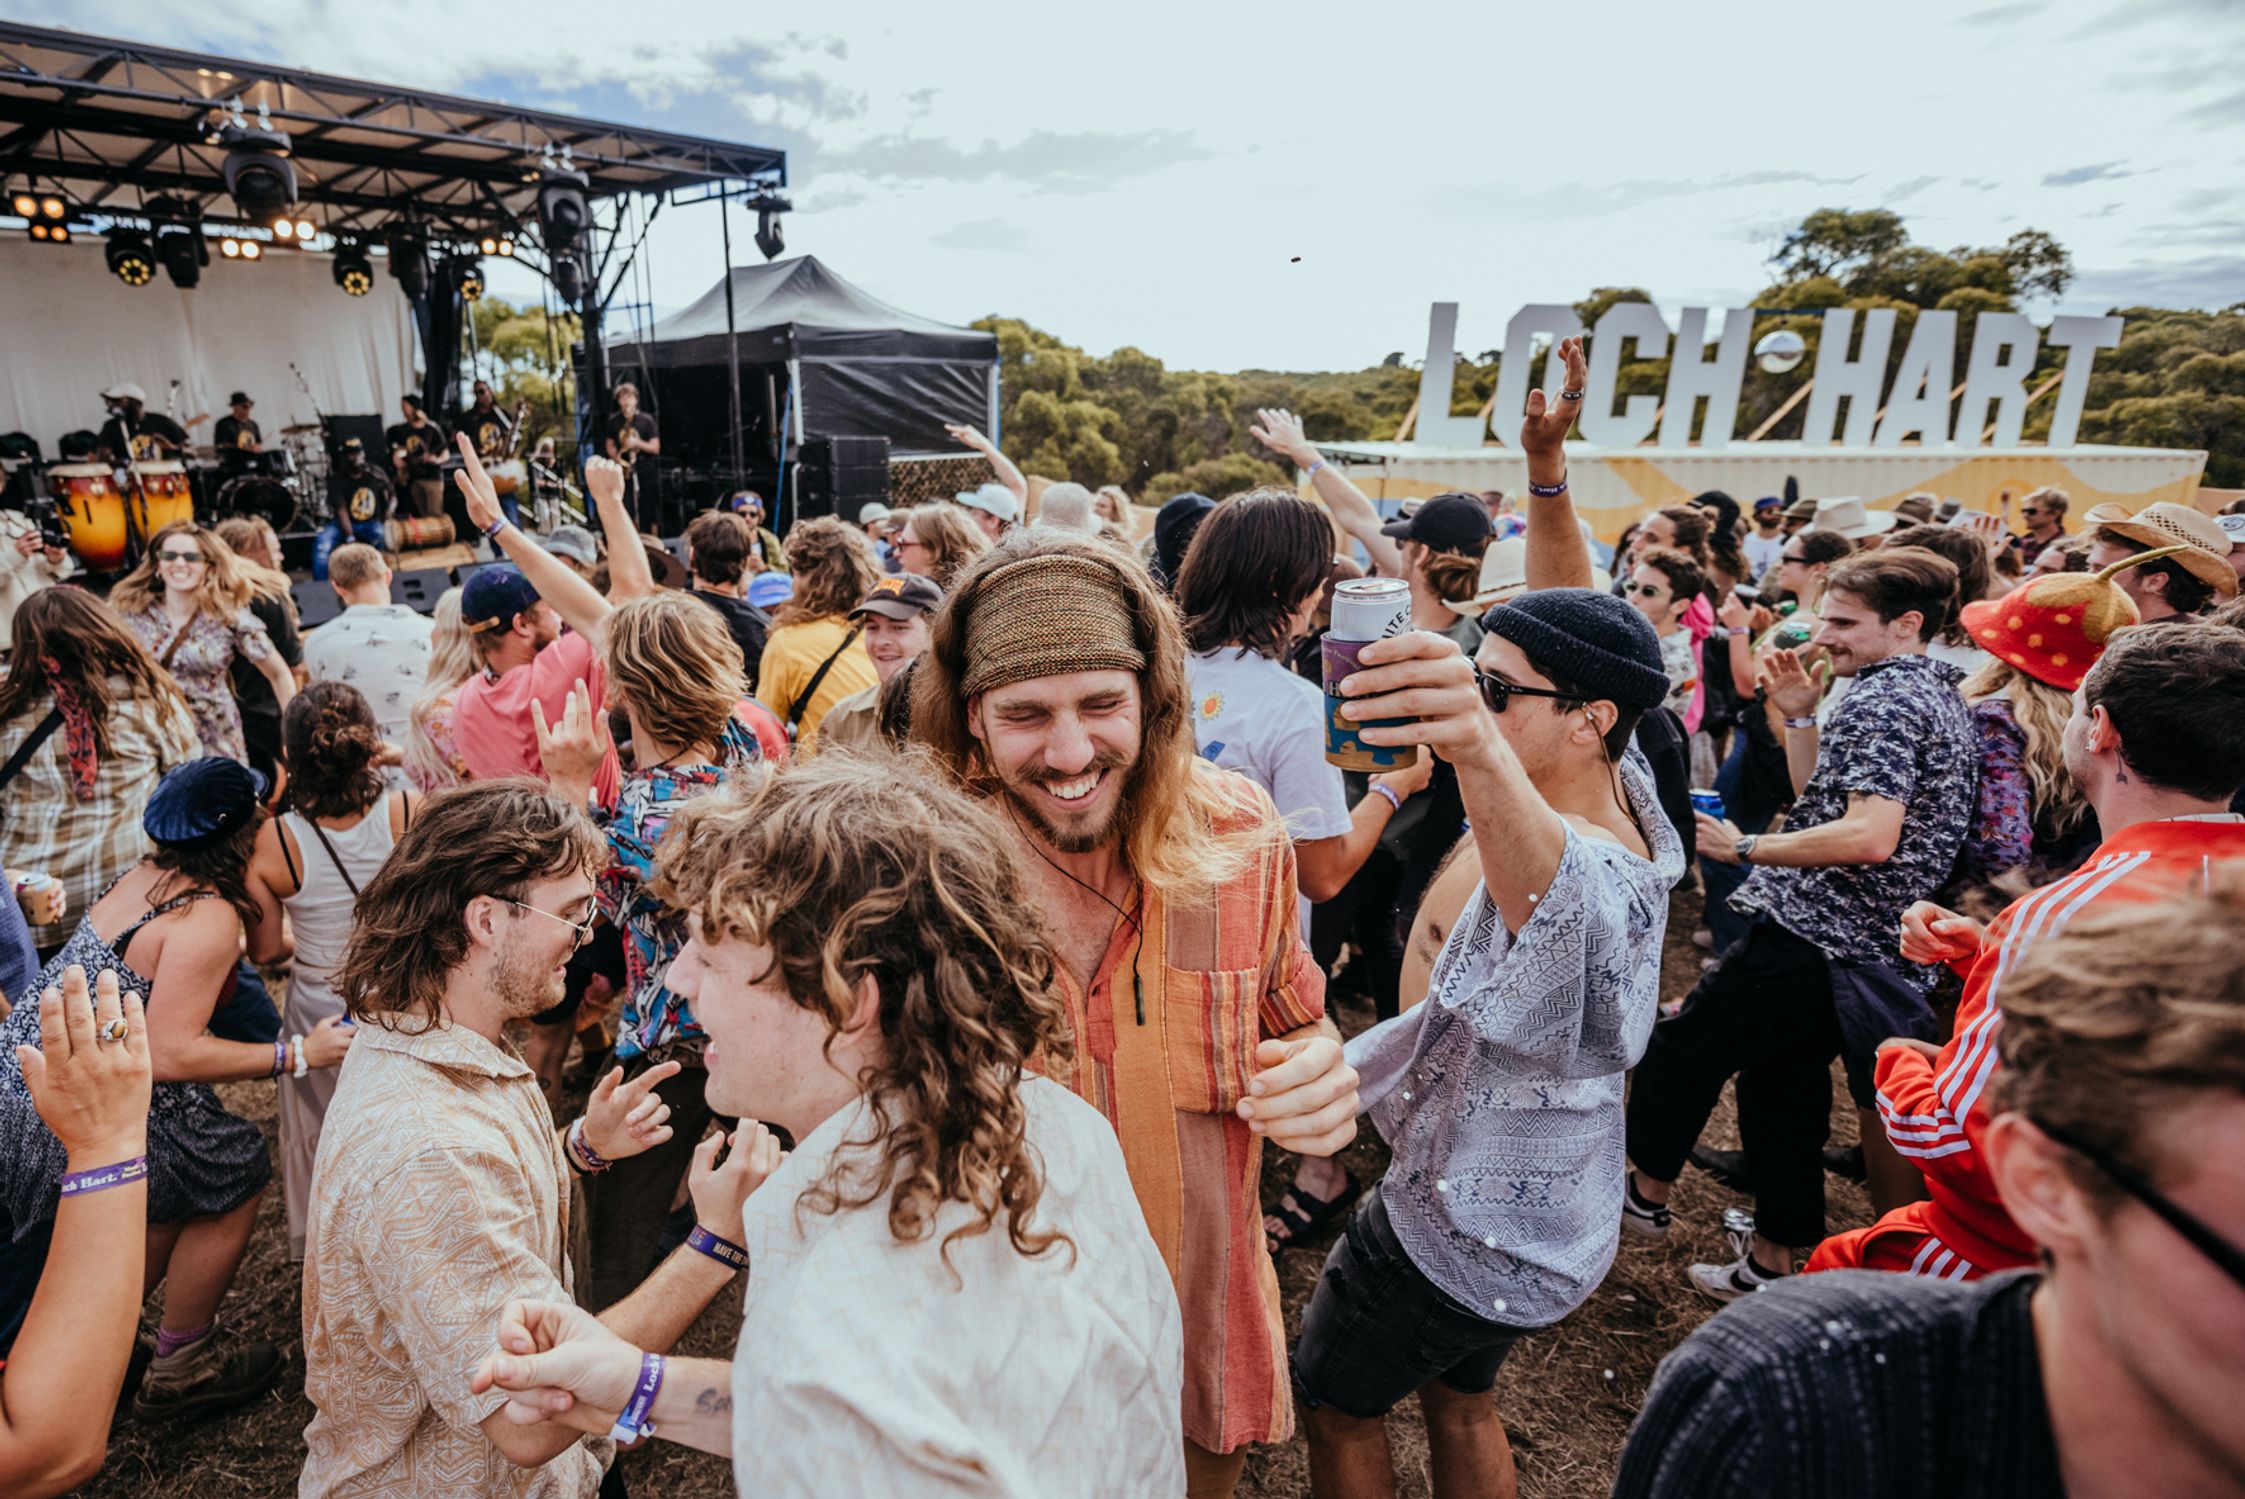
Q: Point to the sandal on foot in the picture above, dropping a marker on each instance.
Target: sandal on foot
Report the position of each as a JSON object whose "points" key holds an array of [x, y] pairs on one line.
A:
{"points": [[1300, 1215]]}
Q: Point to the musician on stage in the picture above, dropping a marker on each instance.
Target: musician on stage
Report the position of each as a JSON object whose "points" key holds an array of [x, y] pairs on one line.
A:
{"points": [[359, 499], [133, 434], [417, 448], [631, 435], [237, 432], [489, 428]]}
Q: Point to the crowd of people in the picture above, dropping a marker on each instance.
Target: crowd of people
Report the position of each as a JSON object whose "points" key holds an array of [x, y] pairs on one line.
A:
{"points": [[947, 909]]}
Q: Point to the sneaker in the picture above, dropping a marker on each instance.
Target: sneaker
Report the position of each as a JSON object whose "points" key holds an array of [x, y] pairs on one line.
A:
{"points": [[1640, 1215], [213, 1373], [1729, 1282]]}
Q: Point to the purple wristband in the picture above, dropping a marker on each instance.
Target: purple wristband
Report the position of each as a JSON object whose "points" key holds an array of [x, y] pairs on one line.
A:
{"points": [[632, 1423], [280, 1057], [590, 1162], [122, 1174], [724, 1251], [1548, 491]]}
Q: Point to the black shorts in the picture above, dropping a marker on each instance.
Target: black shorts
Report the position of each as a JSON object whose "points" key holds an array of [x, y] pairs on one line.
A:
{"points": [[1377, 1329]]}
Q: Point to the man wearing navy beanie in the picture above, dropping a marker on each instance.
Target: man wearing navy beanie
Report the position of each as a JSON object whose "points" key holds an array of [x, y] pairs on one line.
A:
{"points": [[1500, 1096]]}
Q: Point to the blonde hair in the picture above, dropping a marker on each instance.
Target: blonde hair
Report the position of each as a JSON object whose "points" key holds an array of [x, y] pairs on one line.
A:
{"points": [[228, 584], [1182, 831], [833, 565], [354, 565], [244, 532], [2055, 799], [673, 665], [953, 541], [452, 660]]}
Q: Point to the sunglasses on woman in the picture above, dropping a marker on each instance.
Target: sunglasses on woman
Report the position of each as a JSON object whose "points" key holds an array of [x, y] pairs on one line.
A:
{"points": [[170, 556], [2227, 1257], [1497, 692]]}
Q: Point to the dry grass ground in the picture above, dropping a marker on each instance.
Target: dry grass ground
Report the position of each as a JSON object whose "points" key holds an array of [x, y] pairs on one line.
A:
{"points": [[1567, 1394]]}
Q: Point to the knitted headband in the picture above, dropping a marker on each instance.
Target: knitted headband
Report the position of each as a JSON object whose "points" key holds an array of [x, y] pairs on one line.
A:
{"points": [[1043, 616]]}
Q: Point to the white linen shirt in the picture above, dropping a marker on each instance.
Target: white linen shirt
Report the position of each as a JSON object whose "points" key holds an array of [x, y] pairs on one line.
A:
{"points": [[867, 1366], [383, 651]]}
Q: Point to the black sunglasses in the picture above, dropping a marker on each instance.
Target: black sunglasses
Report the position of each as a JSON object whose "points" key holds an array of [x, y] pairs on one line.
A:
{"points": [[2226, 1256], [1497, 692]]}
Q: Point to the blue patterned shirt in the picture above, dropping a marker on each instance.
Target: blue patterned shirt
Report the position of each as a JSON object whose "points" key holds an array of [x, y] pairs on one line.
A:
{"points": [[1501, 1094], [1902, 732]]}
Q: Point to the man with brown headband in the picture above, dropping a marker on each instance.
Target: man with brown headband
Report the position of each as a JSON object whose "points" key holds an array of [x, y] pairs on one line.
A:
{"points": [[953, 1291], [441, 1192], [1056, 688], [2117, 1367]]}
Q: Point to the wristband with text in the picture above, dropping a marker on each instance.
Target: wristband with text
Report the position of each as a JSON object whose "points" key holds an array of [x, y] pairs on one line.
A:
{"points": [[1394, 800], [724, 1251], [280, 1057], [632, 1423], [1548, 491], [495, 528], [1311, 471], [102, 1178], [588, 1161], [1801, 723]]}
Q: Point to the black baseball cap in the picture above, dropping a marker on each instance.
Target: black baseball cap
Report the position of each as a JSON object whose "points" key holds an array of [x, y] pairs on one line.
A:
{"points": [[1447, 523], [901, 596]]}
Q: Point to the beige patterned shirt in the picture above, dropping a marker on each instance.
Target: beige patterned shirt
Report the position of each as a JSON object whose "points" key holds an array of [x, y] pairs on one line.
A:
{"points": [[439, 1195]]}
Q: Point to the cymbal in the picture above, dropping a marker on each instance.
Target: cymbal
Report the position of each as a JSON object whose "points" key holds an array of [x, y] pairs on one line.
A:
{"points": [[300, 429]]}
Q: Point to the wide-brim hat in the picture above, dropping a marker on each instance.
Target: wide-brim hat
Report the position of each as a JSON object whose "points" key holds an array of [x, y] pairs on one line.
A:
{"points": [[1851, 518], [2204, 544], [1504, 575], [2053, 628]]}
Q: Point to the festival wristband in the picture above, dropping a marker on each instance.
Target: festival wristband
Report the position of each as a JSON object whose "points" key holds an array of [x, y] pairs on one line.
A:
{"points": [[632, 1423], [1548, 491], [724, 1251], [495, 528], [1800, 723], [280, 1057], [1311, 471], [1389, 792], [102, 1178], [589, 1162]]}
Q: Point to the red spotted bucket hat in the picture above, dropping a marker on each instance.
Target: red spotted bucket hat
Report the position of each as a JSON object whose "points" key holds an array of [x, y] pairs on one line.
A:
{"points": [[2055, 627]]}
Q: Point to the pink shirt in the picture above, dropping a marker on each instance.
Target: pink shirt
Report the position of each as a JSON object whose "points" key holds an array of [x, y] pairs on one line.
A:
{"points": [[492, 731]]}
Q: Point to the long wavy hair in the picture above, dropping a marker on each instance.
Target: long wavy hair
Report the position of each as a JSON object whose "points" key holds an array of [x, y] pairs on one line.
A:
{"points": [[94, 655], [952, 539], [452, 660], [1254, 561], [329, 738], [834, 566], [223, 867], [671, 662], [1180, 831], [250, 534], [227, 584], [848, 867], [2041, 710]]}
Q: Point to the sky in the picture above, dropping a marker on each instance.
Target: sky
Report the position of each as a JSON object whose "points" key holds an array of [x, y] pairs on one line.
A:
{"points": [[1230, 186]]}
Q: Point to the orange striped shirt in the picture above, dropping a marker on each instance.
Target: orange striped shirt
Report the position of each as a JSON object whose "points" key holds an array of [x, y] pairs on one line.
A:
{"points": [[1219, 973]]}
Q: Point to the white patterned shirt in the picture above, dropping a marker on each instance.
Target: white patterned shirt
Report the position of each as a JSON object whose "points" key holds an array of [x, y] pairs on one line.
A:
{"points": [[383, 651], [867, 1366], [1501, 1095]]}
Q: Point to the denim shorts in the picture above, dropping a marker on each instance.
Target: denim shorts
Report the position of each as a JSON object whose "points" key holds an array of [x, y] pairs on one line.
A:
{"points": [[1377, 1329]]}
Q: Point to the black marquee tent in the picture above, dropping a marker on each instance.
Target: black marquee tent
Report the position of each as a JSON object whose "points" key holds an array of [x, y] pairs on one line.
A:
{"points": [[817, 357]]}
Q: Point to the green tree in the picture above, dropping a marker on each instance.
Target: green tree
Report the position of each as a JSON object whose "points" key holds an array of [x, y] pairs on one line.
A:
{"points": [[1233, 473], [1835, 240], [524, 353]]}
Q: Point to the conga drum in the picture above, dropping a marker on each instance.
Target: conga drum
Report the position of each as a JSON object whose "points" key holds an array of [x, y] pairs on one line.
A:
{"points": [[164, 496], [92, 511], [414, 533]]}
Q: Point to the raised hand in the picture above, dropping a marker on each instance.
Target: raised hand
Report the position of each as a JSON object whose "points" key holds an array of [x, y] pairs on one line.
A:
{"points": [[604, 481], [558, 1362], [1544, 430], [968, 436], [622, 1119], [477, 491], [1734, 614], [1789, 684], [1422, 678], [720, 1190], [92, 1093], [1280, 430], [573, 750]]}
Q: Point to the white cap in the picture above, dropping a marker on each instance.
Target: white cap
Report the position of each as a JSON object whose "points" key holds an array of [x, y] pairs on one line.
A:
{"points": [[125, 390], [873, 512], [2234, 525], [995, 499]]}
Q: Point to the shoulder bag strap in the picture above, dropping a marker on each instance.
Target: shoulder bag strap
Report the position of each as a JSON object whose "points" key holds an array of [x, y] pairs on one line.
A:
{"points": [[335, 858], [30, 746], [810, 690], [171, 646]]}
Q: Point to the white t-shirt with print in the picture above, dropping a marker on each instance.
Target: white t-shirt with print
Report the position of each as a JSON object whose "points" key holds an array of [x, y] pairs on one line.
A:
{"points": [[1252, 715], [383, 651]]}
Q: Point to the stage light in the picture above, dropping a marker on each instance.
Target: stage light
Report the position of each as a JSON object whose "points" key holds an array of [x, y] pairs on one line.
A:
{"points": [[563, 210], [38, 231], [251, 249], [488, 245], [506, 247], [258, 172], [26, 205], [52, 207], [306, 231], [284, 227], [130, 258], [177, 224], [353, 271], [769, 238], [409, 259], [230, 248], [469, 275], [569, 278]]}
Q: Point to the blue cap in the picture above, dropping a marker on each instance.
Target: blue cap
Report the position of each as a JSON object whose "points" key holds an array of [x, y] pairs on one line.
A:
{"points": [[768, 589], [494, 596], [1768, 502], [202, 802]]}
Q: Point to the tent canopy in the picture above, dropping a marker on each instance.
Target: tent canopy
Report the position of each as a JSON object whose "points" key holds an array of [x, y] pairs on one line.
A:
{"points": [[866, 369]]}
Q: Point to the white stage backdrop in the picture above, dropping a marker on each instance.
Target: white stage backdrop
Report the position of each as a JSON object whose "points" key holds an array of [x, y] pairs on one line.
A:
{"points": [[69, 330]]}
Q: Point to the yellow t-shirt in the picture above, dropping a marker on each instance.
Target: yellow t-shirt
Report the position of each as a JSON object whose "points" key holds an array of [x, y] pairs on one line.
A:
{"points": [[792, 656]]}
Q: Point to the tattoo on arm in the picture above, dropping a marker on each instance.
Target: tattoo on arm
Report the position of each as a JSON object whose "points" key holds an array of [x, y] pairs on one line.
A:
{"points": [[713, 1402]]}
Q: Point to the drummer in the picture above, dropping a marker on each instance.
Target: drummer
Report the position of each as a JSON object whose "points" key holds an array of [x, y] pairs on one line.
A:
{"points": [[359, 499], [489, 428], [133, 434], [237, 434]]}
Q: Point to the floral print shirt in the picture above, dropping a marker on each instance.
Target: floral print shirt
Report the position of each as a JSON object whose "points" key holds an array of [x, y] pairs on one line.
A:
{"points": [[201, 665]]}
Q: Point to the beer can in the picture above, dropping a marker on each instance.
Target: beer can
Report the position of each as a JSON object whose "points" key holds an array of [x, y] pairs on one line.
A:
{"points": [[1364, 610], [1710, 802], [1370, 609]]}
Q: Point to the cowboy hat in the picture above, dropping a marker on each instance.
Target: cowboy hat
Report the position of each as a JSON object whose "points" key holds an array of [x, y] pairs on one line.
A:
{"points": [[2205, 544]]}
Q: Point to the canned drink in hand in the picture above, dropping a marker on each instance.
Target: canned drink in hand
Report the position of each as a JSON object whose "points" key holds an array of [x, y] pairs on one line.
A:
{"points": [[1364, 610], [1709, 802]]}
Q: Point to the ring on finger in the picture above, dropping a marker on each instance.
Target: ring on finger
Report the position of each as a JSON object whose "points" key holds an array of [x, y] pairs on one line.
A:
{"points": [[112, 1029], [1570, 395]]}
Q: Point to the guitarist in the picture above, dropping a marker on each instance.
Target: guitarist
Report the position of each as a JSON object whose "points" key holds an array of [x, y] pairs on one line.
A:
{"points": [[489, 428], [631, 435]]}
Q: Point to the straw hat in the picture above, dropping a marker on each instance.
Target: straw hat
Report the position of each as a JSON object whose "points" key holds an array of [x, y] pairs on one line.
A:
{"points": [[1504, 574], [2055, 627], [1851, 518], [2203, 544]]}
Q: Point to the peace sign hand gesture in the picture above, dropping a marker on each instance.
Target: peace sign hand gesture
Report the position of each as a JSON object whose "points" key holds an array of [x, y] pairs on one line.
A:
{"points": [[477, 491], [1544, 431]]}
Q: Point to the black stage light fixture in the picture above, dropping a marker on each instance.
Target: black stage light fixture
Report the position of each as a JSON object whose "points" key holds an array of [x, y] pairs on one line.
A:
{"points": [[177, 227], [53, 234], [25, 204], [353, 270], [564, 212], [409, 259], [467, 272], [569, 277], [769, 237], [131, 258], [258, 172]]}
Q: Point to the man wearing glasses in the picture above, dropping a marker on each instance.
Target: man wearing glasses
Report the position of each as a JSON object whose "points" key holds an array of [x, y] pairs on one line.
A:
{"points": [[2044, 511], [2117, 1129], [1500, 1095]]}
